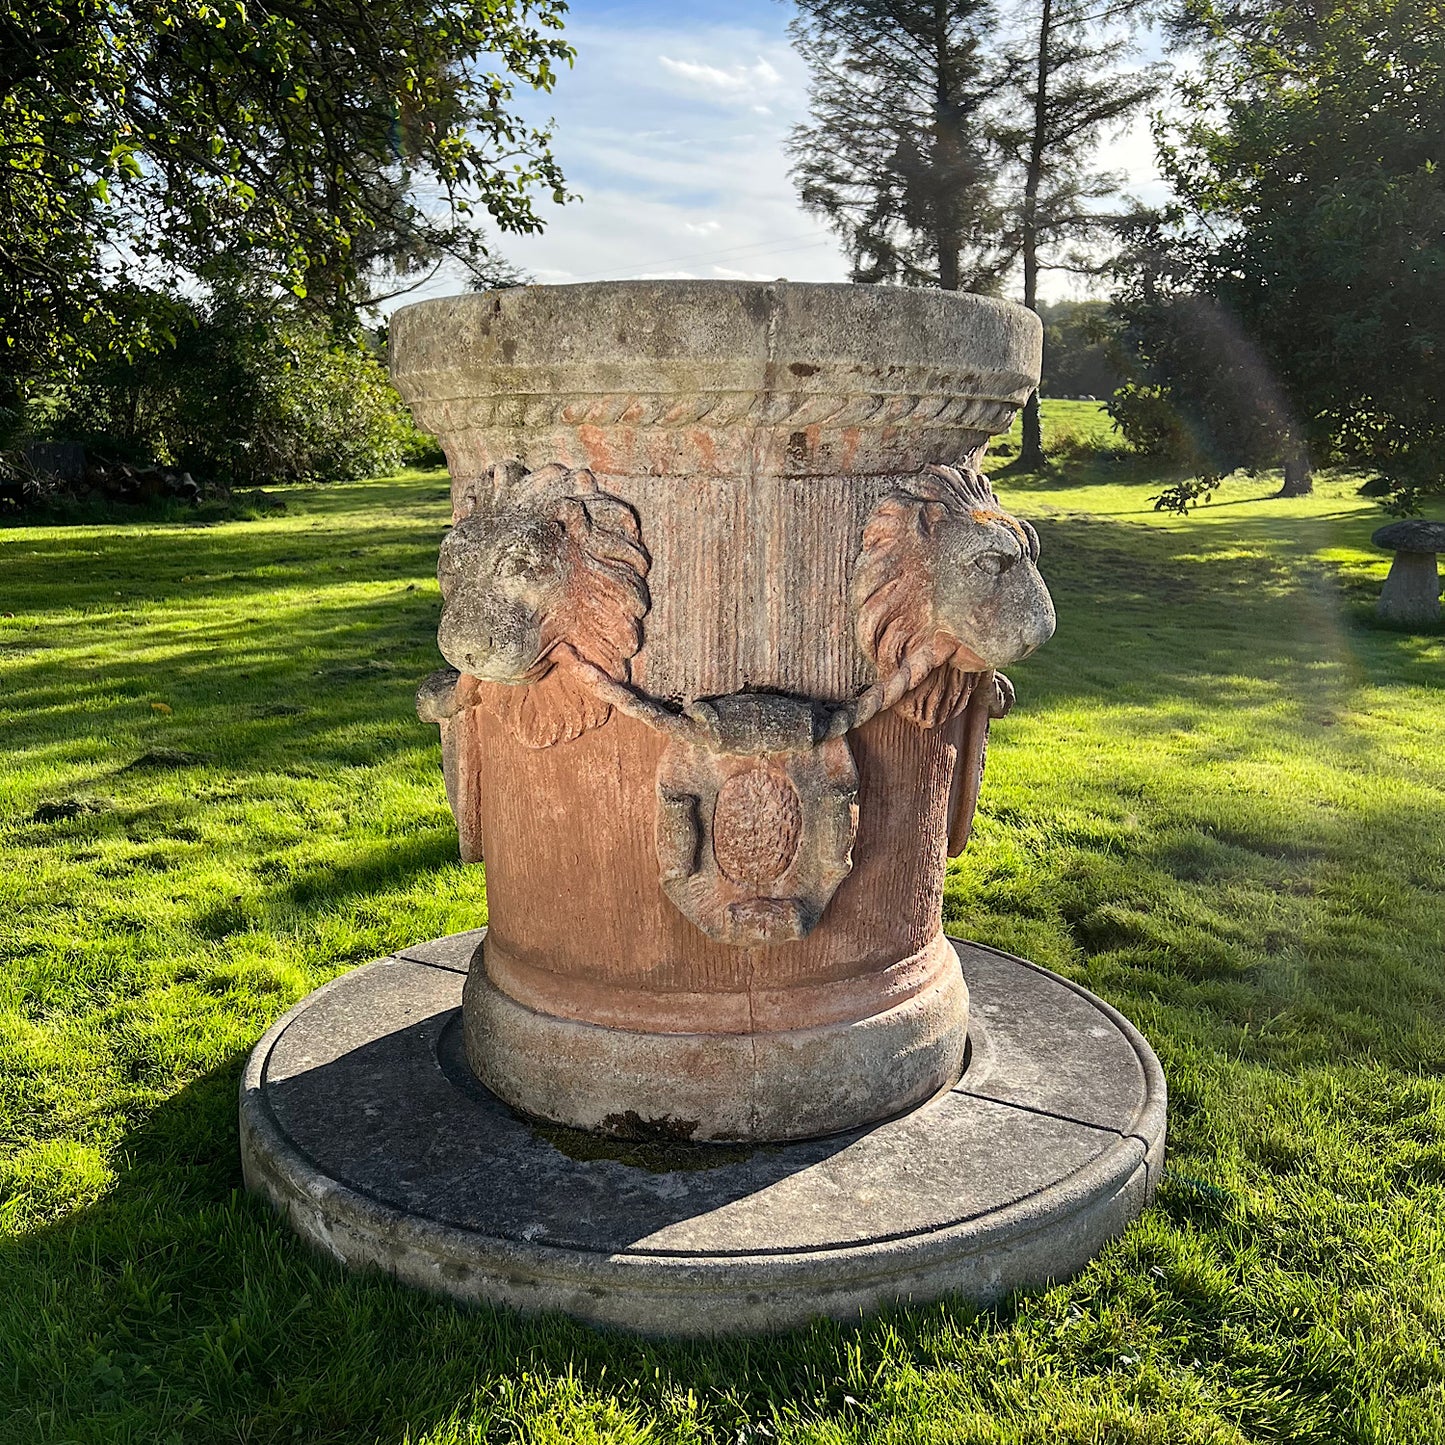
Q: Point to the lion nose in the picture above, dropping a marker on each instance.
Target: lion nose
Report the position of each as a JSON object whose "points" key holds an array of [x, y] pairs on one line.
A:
{"points": [[463, 638], [1039, 626]]}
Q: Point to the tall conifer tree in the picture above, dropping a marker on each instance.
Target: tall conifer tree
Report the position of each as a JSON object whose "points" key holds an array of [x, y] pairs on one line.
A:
{"points": [[951, 140], [898, 155], [1065, 93]]}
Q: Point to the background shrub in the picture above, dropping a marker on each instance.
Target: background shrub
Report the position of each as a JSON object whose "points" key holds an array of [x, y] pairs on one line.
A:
{"points": [[247, 394], [1151, 422]]}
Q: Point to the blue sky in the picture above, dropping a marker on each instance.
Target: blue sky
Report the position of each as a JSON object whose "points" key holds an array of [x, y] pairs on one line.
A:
{"points": [[670, 127]]}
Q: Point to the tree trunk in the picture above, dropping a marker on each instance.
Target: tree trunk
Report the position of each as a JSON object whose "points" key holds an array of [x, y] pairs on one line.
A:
{"points": [[948, 277], [1032, 456], [1299, 480], [948, 244]]}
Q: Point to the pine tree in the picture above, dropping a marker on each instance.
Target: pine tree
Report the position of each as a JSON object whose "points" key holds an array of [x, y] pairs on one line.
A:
{"points": [[1065, 93], [898, 156], [947, 148]]}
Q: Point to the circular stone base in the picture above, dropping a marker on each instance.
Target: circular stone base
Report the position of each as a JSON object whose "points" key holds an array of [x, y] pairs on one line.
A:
{"points": [[362, 1123], [783, 1085]]}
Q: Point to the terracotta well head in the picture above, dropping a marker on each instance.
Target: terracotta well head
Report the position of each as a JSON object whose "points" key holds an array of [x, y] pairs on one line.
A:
{"points": [[725, 594]]}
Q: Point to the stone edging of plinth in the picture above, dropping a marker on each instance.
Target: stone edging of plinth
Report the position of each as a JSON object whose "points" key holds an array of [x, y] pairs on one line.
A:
{"points": [[362, 1124]]}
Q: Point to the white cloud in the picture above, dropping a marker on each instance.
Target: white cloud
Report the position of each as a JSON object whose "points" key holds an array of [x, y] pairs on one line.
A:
{"points": [[724, 273], [1132, 153], [679, 164], [737, 82]]}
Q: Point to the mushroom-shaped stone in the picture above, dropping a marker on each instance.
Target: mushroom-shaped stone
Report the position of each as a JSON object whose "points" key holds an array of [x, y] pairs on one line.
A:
{"points": [[1411, 592]]}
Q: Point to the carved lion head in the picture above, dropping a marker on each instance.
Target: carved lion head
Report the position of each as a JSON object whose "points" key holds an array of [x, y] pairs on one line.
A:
{"points": [[544, 568], [943, 564]]}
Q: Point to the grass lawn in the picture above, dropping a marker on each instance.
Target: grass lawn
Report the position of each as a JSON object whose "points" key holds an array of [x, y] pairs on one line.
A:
{"points": [[1220, 804]]}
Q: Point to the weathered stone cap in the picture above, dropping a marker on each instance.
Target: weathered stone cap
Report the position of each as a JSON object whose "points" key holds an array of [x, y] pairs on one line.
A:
{"points": [[824, 370], [682, 336], [1414, 534]]}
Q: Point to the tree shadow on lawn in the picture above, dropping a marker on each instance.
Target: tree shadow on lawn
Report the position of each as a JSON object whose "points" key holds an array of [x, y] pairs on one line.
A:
{"points": [[1205, 610], [1184, 660], [77, 570], [289, 685], [1240, 604], [392, 866], [1219, 786], [1093, 469]]}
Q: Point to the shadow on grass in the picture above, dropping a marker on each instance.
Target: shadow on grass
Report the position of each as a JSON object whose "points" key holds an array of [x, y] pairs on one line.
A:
{"points": [[393, 867], [179, 1308], [1067, 472], [340, 658], [387, 866]]}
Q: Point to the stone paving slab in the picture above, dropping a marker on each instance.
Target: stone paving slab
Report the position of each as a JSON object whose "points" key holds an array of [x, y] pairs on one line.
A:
{"points": [[361, 1120], [1045, 1043], [453, 952]]}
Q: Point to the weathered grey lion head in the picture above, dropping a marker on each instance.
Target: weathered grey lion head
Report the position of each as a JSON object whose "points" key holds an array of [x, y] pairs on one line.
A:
{"points": [[502, 573], [543, 571], [944, 565], [987, 591]]}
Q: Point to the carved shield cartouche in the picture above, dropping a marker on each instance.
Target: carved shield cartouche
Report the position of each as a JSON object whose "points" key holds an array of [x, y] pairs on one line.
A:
{"points": [[756, 818]]}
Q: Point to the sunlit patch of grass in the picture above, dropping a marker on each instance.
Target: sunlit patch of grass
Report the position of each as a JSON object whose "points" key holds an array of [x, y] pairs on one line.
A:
{"points": [[1220, 803], [1071, 429]]}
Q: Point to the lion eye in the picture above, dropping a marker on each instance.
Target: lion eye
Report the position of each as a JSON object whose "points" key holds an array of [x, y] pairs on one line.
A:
{"points": [[995, 563]]}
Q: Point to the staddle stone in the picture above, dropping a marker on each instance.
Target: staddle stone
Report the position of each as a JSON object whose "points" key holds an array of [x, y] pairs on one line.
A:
{"points": [[1411, 593]]}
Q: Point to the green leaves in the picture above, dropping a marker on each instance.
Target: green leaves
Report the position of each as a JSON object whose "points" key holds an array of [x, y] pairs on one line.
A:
{"points": [[293, 144], [1312, 220]]}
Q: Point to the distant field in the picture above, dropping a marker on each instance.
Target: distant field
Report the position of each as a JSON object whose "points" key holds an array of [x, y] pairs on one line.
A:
{"points": [[1220, 804], [1068, 425]]}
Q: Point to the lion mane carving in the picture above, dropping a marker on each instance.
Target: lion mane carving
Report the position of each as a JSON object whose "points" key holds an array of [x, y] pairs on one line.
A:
{"points": [[543, 577], [944, 567]]}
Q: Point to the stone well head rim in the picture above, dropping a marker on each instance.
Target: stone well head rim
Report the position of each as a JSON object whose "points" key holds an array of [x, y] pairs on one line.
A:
{"points": [[804, 378], [712, 290], [725, 327]]}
